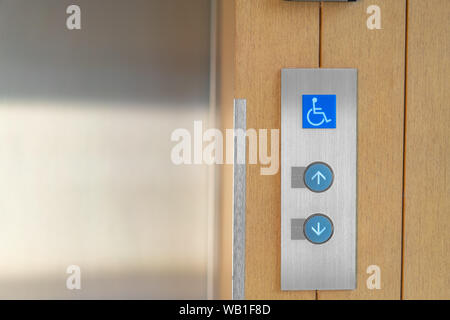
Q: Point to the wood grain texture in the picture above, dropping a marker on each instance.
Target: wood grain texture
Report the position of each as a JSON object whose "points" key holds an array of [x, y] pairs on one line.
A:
{"points": [[225, 97], [427, 153], [270, 35], [379, 56]]}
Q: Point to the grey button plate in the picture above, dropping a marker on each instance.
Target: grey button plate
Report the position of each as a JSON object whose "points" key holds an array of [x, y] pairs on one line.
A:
{"points": [[331, 265]]}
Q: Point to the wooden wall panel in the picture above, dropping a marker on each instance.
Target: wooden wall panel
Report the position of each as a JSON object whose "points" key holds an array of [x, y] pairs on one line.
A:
{"points": [[427, 153], [270, 35], [393, 159], [379, 56]]}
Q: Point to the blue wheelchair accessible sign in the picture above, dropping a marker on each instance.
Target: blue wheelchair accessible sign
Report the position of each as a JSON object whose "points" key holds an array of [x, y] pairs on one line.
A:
{"points": [[319, 111]]}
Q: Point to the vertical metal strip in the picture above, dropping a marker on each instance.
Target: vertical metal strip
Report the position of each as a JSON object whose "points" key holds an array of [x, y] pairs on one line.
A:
{"points": [[239, 200]]}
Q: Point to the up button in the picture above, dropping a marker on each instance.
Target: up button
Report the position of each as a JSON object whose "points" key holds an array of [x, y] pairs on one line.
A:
{"points": [[318, 177]]}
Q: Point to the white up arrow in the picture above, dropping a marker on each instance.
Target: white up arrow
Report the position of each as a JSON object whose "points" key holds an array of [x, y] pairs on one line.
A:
{"points": [[318, 175], [318, 231]]}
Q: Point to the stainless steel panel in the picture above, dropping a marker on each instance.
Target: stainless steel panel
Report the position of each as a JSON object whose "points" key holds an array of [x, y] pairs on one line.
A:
{"points": [[331, 265], [86, 118]]}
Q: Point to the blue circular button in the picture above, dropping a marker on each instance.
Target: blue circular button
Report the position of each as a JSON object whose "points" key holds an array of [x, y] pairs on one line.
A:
{"points": [[318, 228], [318, 177]]}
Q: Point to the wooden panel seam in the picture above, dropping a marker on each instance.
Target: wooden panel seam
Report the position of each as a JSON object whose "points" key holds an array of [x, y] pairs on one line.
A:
{"points": [[404, 152]]}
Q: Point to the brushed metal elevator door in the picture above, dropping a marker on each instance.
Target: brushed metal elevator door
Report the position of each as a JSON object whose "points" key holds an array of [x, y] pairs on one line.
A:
{"points": [[86, 177]]}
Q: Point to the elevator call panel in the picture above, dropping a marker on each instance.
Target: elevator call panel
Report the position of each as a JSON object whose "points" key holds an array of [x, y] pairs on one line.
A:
{"points": [[318, 179]]}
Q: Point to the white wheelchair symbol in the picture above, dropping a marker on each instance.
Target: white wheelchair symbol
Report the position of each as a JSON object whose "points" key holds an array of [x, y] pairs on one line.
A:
{"points": [[317, 111]]}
